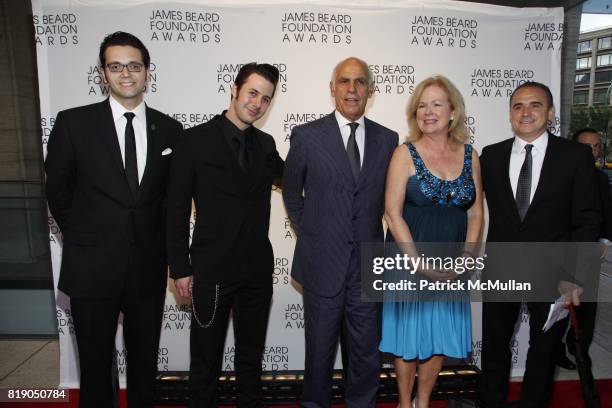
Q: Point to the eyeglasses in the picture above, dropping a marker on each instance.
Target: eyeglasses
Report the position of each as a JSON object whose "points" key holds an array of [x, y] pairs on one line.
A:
{"points": [[131, 67]]}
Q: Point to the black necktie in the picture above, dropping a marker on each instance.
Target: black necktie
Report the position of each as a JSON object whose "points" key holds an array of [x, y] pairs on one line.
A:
{"points": [[240, 142], [353, 151], [131, 166], [523, 187]]}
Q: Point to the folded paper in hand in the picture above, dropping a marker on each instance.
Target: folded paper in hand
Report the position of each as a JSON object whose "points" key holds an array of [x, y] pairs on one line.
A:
{"points": [[557, 312]]}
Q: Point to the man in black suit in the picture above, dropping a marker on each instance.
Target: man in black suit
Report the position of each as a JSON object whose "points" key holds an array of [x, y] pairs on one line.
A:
{"points": [[588, 310], [107, 166], [227, 166], [539, 188], [591, 138]]}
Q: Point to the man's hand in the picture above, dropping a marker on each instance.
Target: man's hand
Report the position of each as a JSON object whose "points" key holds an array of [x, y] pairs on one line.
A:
{"points": [[183, 286], [571, 292], [440, 275]]}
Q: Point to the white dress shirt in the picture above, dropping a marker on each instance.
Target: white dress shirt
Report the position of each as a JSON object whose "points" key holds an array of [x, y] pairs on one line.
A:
{"points": [[345, 131], [140, 132], [517, 157]]}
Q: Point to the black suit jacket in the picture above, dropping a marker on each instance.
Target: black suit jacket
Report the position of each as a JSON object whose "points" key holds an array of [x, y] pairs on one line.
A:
{"points": [[230, 237], [564, 208], [107, 231], [606, 204]]}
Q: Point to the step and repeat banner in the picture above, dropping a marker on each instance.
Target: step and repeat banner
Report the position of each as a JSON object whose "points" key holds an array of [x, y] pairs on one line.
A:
{"points": [[197, 48]]}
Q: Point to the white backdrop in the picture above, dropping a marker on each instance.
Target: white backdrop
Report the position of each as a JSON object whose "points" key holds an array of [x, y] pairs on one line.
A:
{"points": [[196, 48]]}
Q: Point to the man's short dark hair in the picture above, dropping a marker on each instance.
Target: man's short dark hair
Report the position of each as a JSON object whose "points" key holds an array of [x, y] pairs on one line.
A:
{"points": [[583, 130], [123, 38], [533, 84], [269, 72]]}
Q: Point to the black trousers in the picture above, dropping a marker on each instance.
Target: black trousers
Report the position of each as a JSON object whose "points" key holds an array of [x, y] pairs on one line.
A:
{"points": [[249, 302], [498, 321], [95, 323]]}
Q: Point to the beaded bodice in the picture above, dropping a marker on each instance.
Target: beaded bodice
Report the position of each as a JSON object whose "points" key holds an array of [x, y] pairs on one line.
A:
{"points": [[459, 192]]}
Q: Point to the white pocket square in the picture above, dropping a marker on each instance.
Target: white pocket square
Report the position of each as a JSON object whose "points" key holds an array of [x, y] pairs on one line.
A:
{"points": [[166, 151]]}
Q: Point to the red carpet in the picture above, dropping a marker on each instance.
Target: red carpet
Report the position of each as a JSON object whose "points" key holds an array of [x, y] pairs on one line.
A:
{"points": [[567, 394]]}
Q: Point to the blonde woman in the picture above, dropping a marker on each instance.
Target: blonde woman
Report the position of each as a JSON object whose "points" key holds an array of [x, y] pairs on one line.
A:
{"points": [[433, 194]]}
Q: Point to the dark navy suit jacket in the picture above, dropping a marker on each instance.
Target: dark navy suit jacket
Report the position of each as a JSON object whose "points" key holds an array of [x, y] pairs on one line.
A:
{"points": [[330, 212]]}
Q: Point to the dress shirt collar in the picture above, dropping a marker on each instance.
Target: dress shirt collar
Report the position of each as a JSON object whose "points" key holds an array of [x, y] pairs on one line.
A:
{"points": [[118, 110], [231, 131], [539, 144], [342, 121]]}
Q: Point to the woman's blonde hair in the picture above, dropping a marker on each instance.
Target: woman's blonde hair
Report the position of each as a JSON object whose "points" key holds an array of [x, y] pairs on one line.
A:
{"points": [[457, 130]]}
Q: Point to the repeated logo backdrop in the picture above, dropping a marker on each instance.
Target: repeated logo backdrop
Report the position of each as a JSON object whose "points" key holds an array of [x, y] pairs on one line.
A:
{"points": [[197, 48]]}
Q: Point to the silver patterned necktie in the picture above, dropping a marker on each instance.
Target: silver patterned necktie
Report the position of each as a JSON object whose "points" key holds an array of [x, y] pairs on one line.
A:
{"points": [[523, 187]]}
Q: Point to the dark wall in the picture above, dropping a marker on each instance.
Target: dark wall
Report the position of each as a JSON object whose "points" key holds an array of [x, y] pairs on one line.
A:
{"points": [[26, 297]]}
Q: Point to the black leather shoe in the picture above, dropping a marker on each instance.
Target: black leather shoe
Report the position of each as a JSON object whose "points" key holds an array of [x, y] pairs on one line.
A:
{"points": [[565, 363]]}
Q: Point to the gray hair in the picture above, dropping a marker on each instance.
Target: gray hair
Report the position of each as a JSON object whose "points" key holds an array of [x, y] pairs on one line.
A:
{"points": [[361, 62]]}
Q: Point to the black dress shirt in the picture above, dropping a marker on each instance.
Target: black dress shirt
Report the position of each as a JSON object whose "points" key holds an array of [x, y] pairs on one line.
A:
{"points": [[235, 137]]}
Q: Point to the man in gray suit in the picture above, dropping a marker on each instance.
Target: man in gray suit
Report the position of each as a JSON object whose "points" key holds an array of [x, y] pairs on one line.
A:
{"points": [[333, 189]]}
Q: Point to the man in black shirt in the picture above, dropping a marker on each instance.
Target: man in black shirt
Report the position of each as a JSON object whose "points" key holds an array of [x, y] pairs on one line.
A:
{"points": [[227, 166]]}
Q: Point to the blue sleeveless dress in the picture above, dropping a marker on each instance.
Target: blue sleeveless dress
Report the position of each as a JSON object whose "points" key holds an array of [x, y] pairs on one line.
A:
{"points": [[435, 211]]}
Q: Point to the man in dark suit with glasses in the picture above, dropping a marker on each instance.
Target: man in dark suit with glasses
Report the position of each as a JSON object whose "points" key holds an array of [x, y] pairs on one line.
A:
{"points": [[107, 166]]}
